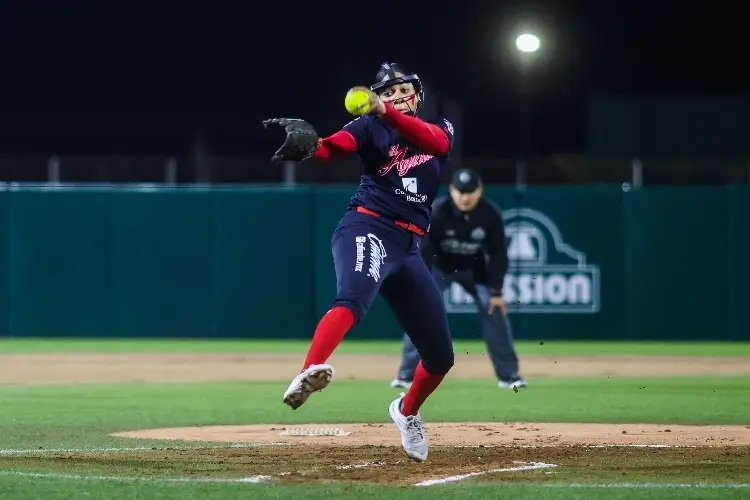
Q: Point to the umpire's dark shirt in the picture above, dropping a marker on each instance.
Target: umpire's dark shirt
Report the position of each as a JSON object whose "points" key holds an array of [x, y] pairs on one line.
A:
{"points": [[474, 240]]}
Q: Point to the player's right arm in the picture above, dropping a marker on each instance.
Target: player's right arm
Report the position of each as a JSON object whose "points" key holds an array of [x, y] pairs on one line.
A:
{"points": [[346, 141]]}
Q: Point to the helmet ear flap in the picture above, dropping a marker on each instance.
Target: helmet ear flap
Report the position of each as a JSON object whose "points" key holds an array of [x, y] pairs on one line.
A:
{"points": [[419, 90]]}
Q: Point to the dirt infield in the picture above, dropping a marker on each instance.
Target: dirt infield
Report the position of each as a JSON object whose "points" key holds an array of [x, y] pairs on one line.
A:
{"points": [[389, 465], [463, 434], [372, 452], [100, 368]]}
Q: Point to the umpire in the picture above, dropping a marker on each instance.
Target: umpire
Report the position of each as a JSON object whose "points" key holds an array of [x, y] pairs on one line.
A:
{"points": [[466, 245]]}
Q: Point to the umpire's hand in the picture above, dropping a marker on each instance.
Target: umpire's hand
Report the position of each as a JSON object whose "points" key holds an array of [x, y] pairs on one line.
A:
{"points": [[497, 303]]}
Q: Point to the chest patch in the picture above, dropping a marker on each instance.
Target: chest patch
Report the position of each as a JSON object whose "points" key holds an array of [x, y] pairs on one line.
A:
{"points": [[478, 234]]}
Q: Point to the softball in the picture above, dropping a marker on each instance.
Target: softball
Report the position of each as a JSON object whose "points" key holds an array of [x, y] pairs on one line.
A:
{"points": [[357, 102]]}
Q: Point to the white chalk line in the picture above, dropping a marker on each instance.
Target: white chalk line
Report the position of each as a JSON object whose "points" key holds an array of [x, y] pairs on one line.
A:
{"points": [[84, 477], [260, 479], [450, 479], [130, 449], [248, 480]]}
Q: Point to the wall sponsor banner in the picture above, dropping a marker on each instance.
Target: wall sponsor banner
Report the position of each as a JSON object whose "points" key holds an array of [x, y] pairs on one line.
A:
{"points": [[547, 275]]}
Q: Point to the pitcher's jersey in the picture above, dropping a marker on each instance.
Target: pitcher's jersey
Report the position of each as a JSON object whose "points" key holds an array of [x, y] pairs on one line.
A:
{"points": [[398, 179]]}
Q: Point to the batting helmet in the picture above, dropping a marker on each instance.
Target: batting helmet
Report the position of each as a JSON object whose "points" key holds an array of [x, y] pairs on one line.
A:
{"points": [[394, 73]]}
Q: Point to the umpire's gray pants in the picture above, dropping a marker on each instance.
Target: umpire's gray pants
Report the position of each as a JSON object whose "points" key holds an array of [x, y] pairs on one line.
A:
{"points": [[495, 330]]}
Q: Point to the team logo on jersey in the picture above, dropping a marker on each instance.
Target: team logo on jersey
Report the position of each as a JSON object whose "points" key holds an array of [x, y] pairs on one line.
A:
{"points": [[403, 164], [411, 191], [546, 274], [410, 184]]}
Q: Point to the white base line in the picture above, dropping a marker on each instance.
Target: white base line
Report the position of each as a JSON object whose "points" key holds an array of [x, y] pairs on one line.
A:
{"points": [[44, 475], [74, 450], [450, 479], [138, 448]]}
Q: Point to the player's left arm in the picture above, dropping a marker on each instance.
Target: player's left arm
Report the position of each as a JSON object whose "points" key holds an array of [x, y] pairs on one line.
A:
{"points": [[336, 146], [346, 141], [497, 252], [302, 141], [433, 139]]}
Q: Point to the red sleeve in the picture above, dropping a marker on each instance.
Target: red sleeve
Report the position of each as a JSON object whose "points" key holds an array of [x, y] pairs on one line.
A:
{"points": [[336, 146], [428, 137]]}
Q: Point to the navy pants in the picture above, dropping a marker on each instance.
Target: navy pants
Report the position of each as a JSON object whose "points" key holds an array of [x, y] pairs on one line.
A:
{"points": [[496, 330], [373, 255]]}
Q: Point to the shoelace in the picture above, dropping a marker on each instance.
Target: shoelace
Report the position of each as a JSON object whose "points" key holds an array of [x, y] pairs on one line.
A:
{"points": [[416, 429]]}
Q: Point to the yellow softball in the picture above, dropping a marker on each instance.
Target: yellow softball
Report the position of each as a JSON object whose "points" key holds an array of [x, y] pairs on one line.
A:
{"points": [[357, 102]]}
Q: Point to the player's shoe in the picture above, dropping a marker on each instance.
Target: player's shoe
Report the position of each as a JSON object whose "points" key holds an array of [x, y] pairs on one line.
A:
{"points": [[315, 378], [413, 436], [510, 384], [397, 382]]}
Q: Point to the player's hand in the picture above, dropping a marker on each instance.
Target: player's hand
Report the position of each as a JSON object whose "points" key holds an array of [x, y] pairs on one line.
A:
{"points": [[377, 106], [497, 303]]}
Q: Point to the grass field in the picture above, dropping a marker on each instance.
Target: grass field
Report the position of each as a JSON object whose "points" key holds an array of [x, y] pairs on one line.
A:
{"points": [[621, 420]]}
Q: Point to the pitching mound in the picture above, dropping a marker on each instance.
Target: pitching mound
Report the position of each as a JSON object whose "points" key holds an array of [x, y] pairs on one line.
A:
{"points": [[462, 434]]}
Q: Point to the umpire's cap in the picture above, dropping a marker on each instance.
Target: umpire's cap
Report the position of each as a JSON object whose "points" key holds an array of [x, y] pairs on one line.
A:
{"points": [[466, 180]]}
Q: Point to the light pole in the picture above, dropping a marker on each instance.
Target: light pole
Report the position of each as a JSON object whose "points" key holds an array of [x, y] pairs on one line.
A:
{"points": [[527, 45]]}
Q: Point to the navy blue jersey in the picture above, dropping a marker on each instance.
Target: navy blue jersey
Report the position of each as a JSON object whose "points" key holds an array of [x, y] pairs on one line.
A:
{"points": [[398, 179]]}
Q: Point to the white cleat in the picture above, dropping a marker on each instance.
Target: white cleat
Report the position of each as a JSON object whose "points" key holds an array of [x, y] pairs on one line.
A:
{"points": [[412, 431], [315, 378], [397, 382], [512, 384]]}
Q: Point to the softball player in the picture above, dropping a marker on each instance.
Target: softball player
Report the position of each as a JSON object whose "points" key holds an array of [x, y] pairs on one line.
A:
{"points": [[375, 245]]}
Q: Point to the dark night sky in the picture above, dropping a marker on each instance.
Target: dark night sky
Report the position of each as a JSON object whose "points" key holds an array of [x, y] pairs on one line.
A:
{"points": [[132, 77]]}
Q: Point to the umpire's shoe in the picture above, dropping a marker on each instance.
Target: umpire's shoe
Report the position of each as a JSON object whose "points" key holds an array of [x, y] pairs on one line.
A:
{"points": [[315, 378], [516, 383], [399, 382]]}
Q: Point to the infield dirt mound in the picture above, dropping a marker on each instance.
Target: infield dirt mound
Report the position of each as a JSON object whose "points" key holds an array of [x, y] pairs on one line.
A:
{"points": [[464, 434]]}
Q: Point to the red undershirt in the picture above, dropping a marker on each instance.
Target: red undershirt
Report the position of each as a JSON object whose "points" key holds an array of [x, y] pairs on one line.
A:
{"points": [[428, 137]]}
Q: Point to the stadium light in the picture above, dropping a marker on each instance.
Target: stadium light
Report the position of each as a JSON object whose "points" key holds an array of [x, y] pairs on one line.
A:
{"points": [[528, 42]]}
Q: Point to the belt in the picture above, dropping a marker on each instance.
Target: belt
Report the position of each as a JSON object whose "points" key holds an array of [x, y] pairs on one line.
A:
{"points": [[409, 226]]}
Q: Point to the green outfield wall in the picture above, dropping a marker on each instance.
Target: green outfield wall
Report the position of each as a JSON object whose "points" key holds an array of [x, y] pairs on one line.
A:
{"points": [[600, 262]]}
